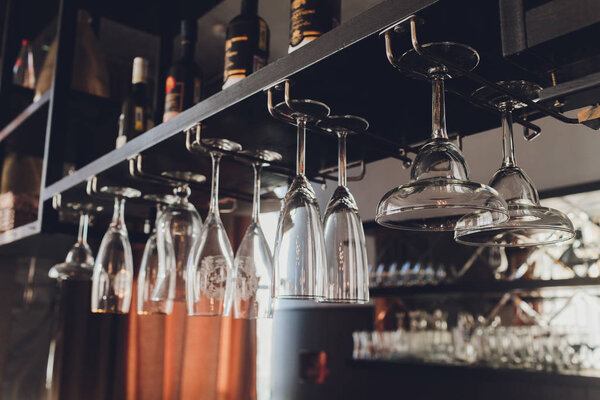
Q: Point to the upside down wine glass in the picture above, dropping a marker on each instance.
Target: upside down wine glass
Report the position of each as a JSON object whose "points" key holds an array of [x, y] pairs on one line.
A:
{"points": [[440, 191], [112, 281], [149, 276], [178, 229], [299, 254], [79, 263], [530, 224], [210, 274], [347, 276], [253, 261]]}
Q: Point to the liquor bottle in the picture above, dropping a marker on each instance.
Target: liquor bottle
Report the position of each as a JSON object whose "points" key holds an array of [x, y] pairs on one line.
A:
{"points": [[23, 71], [247, 44], [309, 19], [136, 112], [183, 84]]}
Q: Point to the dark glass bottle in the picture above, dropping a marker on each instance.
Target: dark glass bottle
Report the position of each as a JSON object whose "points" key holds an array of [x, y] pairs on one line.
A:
{"points": [[247, 44], [183, 83], [309, 19], [136, 112]]}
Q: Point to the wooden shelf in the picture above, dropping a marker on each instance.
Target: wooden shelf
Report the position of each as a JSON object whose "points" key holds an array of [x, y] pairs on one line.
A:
{"points": [[481, 372], [482, 288]]}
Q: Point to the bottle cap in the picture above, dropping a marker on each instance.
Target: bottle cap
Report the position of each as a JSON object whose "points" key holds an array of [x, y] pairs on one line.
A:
{"points": [[140, 70]]}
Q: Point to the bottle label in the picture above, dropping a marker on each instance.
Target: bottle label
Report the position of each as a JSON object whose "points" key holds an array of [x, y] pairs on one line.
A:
{"points": [[138, 119], [173, 98], [246, 48], [311, 18]]}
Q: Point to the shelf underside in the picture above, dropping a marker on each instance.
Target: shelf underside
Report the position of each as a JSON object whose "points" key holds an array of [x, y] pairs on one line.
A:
{"points": [[488, 288], [348, 70]]}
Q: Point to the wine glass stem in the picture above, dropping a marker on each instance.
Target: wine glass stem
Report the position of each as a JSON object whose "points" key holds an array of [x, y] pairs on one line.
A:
{"points": [[256, 199], [342, 158], [300, 151], [508, 147], [438, 109], [118, 218], [214, 194], [84, 220]]}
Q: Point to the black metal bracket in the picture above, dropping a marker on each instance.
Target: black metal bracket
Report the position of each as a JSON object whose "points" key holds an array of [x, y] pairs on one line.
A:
{"points": [[410, 23], [387, 146]]}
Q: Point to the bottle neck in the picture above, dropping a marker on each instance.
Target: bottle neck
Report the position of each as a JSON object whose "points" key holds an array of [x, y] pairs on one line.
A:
{"points": [[249, 7], [438, 109], [187, 49]]}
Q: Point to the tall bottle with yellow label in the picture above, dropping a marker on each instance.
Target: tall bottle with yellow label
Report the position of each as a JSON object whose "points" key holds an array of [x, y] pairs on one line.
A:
{"points": [[184, 80], [247, 44], [136, 112], [309, 19]]}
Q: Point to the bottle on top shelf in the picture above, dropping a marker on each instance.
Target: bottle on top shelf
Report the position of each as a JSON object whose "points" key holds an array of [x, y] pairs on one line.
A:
{"points": [[183, 83], [309, 19], [136, 111], [247, 44], [23, 70]]}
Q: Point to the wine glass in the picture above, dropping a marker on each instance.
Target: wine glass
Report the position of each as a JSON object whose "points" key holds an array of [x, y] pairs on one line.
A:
{"points": [[530, 224], [210, 271], [150, 267], [299, 255], [79, 263], [440, 191], [112, 281], [253, 262], [347, 276], [178, 228]]}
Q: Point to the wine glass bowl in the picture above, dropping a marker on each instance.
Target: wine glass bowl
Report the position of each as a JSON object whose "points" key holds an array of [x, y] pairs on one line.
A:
{"points": [[177, 230], [253, 261], [530, 224], [149, 276], [79, 262], [112, 280]]}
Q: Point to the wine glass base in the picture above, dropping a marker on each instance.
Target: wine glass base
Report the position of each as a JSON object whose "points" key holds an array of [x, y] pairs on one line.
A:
{"points": [[160, 198], [185, 176], [500, 100], [310, 110], [529, 225], [222, 144], [263, 156], [458, 54], [348, 124], [121, 191], [88, 208]]}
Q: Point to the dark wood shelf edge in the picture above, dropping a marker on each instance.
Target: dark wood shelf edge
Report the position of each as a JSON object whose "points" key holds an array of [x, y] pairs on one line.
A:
{"points": [[366, 24], [482, 287], [24, 115], [480, 372]]}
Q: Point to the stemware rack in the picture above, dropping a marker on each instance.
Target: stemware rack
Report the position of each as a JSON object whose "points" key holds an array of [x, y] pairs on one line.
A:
{"points": [[347, 69]]}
